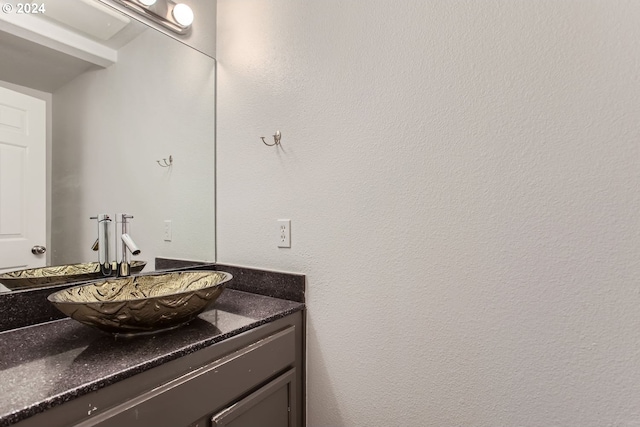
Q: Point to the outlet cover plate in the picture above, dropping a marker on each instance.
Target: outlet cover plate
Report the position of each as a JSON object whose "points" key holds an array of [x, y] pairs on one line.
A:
{"points": [[284, 233]]}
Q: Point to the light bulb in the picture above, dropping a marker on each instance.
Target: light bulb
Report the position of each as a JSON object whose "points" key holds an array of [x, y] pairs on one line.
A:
{"points": [[147, 2], [182, 14]]}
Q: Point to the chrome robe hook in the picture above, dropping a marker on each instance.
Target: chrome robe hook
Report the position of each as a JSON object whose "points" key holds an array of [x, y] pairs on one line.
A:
{"points": [[165, 163], [276, 139]]}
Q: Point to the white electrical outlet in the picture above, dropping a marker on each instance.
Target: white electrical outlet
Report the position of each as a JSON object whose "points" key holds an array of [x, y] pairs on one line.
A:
{"points": [[167, 230], [284, 233]]}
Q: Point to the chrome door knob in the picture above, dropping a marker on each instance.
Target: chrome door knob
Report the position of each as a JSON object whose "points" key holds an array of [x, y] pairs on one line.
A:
{"points": [[38, 250]]}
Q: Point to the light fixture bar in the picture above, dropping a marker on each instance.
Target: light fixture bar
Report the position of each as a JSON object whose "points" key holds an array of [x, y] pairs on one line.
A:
{"points": [[162, 12]]}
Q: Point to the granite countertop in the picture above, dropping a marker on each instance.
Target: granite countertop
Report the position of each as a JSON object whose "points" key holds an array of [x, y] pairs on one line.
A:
{"points": [[47, 364]]}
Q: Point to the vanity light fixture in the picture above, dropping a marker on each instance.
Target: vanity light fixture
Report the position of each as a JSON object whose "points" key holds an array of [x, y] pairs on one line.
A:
{"points": [[176, 17], [182, 14]]}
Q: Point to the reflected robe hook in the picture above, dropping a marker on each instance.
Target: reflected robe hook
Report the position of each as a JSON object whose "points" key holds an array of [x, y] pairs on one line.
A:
{"points": [[276, 139], [164, 163]]}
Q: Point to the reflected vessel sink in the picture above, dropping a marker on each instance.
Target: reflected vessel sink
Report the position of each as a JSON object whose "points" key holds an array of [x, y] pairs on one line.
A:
{"points": [[142, 304], [57, 275]]}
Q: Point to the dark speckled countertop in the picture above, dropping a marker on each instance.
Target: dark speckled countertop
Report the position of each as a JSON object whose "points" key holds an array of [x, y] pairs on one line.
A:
{"points": [[47, 364]]}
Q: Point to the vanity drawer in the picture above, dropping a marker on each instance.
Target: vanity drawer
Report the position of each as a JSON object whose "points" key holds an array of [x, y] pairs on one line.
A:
{"points": [[207, 389]]}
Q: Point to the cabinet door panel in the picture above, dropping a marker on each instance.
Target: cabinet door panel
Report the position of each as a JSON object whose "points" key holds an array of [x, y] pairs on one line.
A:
{"points": [[270, 406]]}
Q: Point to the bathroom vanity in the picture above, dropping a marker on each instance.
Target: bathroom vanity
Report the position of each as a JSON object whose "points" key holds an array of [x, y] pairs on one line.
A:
{"points": [[239, 363]]}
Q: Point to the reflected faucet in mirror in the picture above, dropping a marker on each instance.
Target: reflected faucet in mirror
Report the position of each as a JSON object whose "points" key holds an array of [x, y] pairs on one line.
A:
{"points": [[102, 244], [123, 245]]}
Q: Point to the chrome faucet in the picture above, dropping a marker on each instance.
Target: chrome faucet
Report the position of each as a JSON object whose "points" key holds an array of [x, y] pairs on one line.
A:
{"points": [[102, 244], [126, 244], [116, 261]]}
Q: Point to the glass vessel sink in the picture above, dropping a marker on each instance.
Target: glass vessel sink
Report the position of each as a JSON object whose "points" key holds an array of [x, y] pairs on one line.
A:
{"points": [[142, 304], [57, 275]]}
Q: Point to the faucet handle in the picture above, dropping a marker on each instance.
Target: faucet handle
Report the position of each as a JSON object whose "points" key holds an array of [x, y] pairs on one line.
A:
{"points": [[123, 217]]}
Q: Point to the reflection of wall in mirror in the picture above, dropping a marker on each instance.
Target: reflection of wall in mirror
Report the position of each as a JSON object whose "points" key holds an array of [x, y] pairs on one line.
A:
{"points": [[107, 142]]}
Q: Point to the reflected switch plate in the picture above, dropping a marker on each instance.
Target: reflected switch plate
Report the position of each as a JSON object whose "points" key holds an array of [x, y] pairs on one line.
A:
{"points": [[167, 230]]}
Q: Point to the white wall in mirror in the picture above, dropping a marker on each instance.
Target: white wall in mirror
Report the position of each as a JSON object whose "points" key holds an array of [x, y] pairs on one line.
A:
{"points": [[107, 143]]}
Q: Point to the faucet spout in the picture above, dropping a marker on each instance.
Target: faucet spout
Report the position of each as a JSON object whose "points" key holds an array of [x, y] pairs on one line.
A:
{"points": [[130, 244]]}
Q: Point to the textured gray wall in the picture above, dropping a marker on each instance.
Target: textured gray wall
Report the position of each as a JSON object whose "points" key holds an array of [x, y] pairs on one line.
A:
{"points": [[463, 181]]}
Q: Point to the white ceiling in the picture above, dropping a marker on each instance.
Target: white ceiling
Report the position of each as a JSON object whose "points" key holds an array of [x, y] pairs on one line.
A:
{"points": [[32, 65], [45, 52]]}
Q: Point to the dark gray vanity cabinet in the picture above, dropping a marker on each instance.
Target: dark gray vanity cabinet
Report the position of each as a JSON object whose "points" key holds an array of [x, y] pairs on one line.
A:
{"points": [[252, 379]]}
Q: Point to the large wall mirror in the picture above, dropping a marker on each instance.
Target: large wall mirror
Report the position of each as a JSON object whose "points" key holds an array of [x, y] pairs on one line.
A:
{"points": [[107, 104]]}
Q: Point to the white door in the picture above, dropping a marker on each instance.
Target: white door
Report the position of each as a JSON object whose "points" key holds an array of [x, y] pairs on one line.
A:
{"points": [[22, 180]]}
